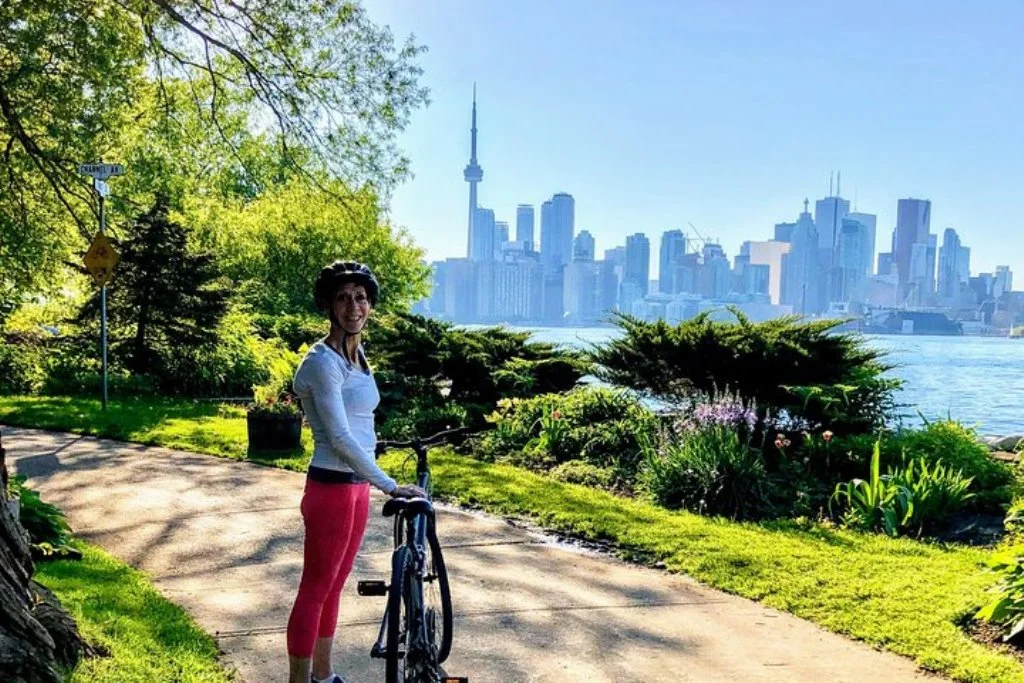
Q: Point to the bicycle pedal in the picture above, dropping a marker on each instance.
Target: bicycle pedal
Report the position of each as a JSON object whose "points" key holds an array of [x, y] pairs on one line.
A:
{"points": [[372, 588]]}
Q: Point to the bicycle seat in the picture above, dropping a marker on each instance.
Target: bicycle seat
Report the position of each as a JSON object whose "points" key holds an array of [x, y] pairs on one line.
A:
{"points": [[409, 506]]}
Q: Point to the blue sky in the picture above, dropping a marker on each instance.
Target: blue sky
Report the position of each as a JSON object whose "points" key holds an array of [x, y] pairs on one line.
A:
{"points": [[723, 113]]}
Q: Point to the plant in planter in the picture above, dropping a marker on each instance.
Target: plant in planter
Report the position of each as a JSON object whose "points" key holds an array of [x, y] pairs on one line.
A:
{"points": [[273, 420]]}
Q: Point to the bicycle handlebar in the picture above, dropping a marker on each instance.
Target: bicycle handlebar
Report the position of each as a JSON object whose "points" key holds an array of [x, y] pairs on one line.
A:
{"points": [[431, 440]]}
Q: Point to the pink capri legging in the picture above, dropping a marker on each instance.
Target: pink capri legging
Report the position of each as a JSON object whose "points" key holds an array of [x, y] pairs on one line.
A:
{"points": [[335, 517]]}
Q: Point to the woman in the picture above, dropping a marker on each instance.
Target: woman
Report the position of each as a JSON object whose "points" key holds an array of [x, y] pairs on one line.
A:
{"points": [[338, 395]]}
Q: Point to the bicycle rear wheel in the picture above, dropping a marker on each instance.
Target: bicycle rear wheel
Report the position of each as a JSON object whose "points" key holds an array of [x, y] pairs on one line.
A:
{"points": [[437, 598], [397, 637]]}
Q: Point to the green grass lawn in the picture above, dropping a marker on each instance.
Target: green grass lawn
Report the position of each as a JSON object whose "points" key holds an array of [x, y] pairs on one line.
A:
{"points": [[902, 595], [148, 638]]}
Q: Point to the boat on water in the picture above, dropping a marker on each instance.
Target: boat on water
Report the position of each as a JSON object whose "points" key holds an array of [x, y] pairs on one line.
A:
{"points": [[897, 321]]}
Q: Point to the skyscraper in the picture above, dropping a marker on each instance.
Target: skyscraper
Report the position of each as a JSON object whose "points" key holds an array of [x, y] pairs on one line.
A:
{"points": [[582, 294], [583, 247], [500, 237], [828, 219], [547, 235], [869, 221], [524, 226], [910, 246], [716, 275], [801, 269], [638, 263], [1003, 280], [768, 253], [563, 219], [483, 246], [851, 267], [673, 248], [784, 231], [954, 268], [473, 174]]}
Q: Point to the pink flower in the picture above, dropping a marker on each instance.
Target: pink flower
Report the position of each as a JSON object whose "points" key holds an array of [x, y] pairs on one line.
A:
{"points": [[779, 443], [556, 415], [827, 436]]}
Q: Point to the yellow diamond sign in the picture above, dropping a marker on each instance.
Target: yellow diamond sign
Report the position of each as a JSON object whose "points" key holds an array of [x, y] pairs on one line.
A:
{"points": [[101, 259]]}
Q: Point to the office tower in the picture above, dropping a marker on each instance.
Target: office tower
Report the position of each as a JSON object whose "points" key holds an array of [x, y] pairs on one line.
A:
{"points": [[474, 175], [583, 247], [524, 226], [554, 293], [757, 279], [801, 269], [547, 238], [518, 290], [557, 217], [870, 222], [460, 290], [563, 216], [582, 294], [638, 263], [616, 255], [913, 250], [954, 268], [500, 238], [851, 267], [609, 276], [483, 246], [673, 248], [784, 231], [1003, 281], [886, 264], [828, 219], [716, 275], [769, 253], [500, 232]]}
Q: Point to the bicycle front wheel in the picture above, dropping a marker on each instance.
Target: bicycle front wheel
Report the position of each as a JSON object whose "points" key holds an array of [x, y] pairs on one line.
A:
{"points": [[437, 598], [397, 636]]}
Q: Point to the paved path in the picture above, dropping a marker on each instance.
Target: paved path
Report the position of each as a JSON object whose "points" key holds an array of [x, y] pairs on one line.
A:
{"points": [[223, 539]]}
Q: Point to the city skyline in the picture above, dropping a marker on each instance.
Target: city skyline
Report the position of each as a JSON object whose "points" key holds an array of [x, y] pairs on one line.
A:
{"points": [[822, 264], [710, 115], [832, 217]]}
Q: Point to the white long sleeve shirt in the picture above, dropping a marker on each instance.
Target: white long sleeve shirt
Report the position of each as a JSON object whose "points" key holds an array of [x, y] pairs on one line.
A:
{"points": [[339, 399]]}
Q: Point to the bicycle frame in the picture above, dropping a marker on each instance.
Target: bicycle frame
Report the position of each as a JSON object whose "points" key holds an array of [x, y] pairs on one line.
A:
{"points": [[411, 529], [414, 534]]}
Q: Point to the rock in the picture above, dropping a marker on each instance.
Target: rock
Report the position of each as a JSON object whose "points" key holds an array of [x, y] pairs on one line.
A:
{"points": [[1005, 443]]}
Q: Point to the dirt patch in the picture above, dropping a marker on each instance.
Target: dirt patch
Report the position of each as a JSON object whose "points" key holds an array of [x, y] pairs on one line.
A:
{"points": [[992, 636]]}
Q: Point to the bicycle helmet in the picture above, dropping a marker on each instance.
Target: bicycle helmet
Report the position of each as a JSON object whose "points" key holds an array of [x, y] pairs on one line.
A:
{"points": [[340, 273]]}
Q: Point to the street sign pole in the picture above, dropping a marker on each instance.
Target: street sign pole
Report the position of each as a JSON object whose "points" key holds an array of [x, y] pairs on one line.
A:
{"points": [[101, 258], [103, 296]]}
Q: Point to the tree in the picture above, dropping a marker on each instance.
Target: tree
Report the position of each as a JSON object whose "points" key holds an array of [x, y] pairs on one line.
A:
{"points": [[79, 79], [802, 369], [277, 244], [37, 636], [164, 297]]}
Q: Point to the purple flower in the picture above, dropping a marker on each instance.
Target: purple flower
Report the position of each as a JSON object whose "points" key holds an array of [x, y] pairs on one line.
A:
{"points": [[725, 411]]}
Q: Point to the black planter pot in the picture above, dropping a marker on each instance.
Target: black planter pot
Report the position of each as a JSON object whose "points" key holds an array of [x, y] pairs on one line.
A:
{"points": [[273, 432]]}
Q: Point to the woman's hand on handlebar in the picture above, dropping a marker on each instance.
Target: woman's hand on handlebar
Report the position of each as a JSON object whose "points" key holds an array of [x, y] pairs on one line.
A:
{"points": [[408, 491]]}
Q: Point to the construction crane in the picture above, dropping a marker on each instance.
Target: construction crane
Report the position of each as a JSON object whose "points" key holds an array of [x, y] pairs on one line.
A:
{"points": [[703, 241]]}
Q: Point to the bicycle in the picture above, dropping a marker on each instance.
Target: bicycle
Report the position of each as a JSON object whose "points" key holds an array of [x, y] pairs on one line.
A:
{"points": [[415, 635]]}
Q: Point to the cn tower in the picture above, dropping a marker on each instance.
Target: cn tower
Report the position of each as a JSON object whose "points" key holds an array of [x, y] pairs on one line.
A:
{"points": [[473, 174]]}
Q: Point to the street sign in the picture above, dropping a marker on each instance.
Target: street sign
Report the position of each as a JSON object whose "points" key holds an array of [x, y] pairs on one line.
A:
{"points": [[101, 259], [101, 171]]}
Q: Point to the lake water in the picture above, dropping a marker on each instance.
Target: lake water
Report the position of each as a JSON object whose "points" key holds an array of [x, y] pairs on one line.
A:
{"points": [[977, 380]]}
